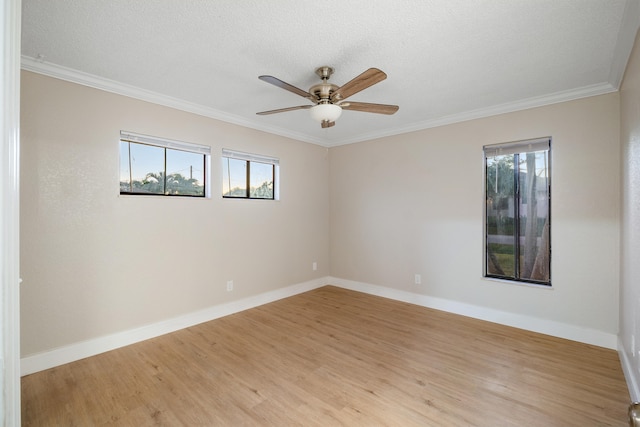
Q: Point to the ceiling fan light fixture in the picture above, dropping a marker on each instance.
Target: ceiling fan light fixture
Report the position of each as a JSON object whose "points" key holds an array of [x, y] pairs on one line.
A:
{"points": [[329, 98], [325, 112]]}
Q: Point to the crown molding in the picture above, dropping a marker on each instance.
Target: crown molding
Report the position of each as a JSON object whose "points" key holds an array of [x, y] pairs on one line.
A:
{"points": [[85, 79], [90, 80], [509, 107]]}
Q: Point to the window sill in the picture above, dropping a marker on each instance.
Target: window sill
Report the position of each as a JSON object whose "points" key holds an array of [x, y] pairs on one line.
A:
{"points": [[517, 283]]}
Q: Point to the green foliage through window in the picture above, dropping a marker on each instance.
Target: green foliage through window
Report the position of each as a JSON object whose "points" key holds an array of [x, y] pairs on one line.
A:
{"points": [[147, 169], [518, 211], [248, 176]]}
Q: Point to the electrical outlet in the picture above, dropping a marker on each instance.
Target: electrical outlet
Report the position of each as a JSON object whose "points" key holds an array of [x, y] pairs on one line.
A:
{"points": [[314, 266], [418, 279], [229, 285]]}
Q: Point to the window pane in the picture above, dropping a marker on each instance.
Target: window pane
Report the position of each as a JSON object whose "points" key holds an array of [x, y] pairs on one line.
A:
{"points": [[234, 177], [534, 219], [125, 172], [185, 173], [261, 181], [147, 168], [518, 211], [501, 230]]}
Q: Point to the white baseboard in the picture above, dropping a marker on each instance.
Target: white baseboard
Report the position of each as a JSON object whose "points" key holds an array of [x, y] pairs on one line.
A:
{"points": [[633, 382], [60, 356], [543, 326], [49, 359]]}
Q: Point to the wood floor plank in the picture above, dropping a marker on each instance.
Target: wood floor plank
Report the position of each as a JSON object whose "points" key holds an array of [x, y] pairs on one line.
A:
{"points": [[336, 357]]}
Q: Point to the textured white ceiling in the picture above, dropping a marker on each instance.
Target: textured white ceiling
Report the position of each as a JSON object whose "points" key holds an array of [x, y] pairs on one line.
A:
{"points": [[446, 60]]}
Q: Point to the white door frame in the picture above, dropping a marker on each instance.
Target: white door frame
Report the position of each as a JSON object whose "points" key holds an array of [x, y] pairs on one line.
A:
{"points": [[10, 25]]}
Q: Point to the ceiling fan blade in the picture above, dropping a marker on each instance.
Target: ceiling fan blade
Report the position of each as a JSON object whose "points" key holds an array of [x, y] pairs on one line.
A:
{"points": [[363, 81], [327, 124], [286, 86], [282, 110], [369, 108]]}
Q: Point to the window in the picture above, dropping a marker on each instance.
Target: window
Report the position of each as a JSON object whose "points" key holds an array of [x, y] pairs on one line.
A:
{"points": [[249, 176], [156, 166], [517, 211]]}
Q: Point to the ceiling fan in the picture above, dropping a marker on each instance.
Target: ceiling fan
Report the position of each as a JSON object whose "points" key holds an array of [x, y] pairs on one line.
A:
{"points": [[329, 99]]}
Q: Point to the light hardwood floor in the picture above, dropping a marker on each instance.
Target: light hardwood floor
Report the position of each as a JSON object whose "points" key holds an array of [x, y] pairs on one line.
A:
{"points": [[336, 357]]}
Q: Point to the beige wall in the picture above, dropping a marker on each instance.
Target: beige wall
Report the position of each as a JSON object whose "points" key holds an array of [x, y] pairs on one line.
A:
{"points": [[413, 204], [95, 263], [630, 260]]}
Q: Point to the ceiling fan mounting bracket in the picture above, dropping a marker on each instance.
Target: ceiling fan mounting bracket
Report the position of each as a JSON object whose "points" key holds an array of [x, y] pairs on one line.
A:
{"points": [[324, 72]]}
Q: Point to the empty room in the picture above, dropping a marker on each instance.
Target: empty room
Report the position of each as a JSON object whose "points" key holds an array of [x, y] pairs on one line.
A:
{"points": [[403, 213]]}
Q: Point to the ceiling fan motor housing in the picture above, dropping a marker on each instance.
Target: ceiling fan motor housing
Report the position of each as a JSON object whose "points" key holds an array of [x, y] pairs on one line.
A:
{"points": [[323, 91]]}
